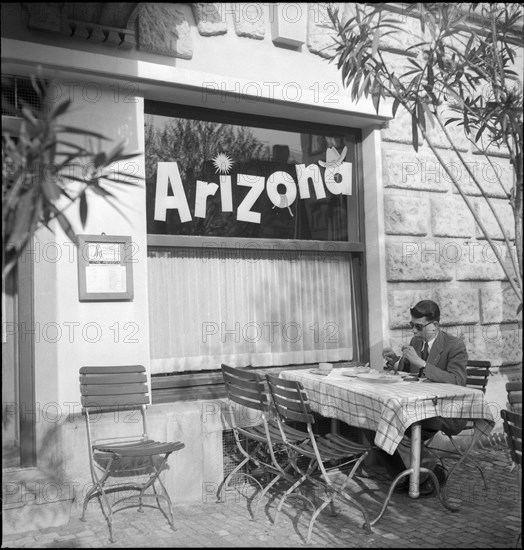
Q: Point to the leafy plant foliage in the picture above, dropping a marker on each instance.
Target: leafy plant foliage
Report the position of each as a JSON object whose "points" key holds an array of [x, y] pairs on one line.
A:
{"points": [[459, 71], [44, 173]]}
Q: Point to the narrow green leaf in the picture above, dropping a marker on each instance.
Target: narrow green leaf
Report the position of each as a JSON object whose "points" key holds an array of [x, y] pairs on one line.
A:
{"points": [[421, 116], [66, 226], [466, 122], [396, 104], [99, 160], [83, 209], [49, 186], [414, 132], [61, 108], [124, 157], [123, 180], [96, 188], [450, 120], [376, 41]]}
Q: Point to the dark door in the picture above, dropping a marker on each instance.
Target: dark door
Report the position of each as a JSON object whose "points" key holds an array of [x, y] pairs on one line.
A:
{"points": [[18, 388]]}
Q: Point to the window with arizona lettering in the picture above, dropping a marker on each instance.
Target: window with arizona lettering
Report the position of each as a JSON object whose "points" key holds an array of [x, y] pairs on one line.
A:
{"points": [[255, 241], [213, 179]]}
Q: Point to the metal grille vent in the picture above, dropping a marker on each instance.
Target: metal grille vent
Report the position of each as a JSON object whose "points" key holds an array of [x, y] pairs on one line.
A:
{"points": [[18, 92], [231, 457]]}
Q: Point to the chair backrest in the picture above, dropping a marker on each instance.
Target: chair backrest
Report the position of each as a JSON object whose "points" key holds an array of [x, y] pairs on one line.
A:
{"points": [[290, 399], [477, 373], [113, 388], [513, 427], [514, 391], [245, 387]]}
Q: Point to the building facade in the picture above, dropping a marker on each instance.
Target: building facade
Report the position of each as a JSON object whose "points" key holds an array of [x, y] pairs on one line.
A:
{"points": [[275, 222]]}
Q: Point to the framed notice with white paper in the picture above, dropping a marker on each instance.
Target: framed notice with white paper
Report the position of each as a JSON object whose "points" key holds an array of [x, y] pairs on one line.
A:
{"points": [[104, 268]]}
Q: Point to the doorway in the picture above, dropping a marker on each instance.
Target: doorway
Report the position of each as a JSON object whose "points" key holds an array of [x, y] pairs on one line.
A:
{"points": [[18, 391]]}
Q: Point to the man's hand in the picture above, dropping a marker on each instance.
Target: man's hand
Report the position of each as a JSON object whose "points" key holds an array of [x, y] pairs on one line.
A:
{"points": [[411, 355], [390, 357]]}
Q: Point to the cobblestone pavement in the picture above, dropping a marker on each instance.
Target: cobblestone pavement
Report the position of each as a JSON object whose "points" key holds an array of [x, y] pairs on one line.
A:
{"points": [[487, 519]]}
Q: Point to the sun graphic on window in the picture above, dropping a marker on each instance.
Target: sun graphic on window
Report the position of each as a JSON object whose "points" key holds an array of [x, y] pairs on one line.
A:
{"points": [[222, 163]]}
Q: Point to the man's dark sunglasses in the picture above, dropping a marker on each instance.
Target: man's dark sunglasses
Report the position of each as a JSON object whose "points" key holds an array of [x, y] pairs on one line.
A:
{"points": [[418, 326]]}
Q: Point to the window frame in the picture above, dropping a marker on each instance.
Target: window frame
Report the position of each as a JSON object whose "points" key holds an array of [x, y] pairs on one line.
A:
{"points": [[208, 384]]}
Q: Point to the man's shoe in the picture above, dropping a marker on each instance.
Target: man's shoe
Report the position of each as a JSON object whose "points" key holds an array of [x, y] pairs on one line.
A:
{"points": [[440, 472], [426, 488], [402, 486]]}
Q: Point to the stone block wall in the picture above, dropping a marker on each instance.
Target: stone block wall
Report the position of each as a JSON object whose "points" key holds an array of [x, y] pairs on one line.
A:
{"points": [[435, 250], [434, 247]]}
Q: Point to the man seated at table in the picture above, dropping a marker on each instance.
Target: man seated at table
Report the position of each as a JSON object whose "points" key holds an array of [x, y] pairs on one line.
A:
{"points": [[435, 356]]}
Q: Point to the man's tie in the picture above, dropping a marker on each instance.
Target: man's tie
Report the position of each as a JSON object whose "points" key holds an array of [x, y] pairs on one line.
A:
{"points": [[424, 352]]}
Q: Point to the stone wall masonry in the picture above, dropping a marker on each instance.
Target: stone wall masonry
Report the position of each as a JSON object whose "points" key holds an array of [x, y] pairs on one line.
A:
{"points": [[510, 304], [503, 343], [398, 129], [400, 302], [405, 215], [84, 11], [496, 150], [43, 16], [499, 344], [414, 259], [210, 18], [504, 213], [455, 132], [164, 29], [450, 217], [484, 306], [400, 42], [444, 257], [320, 38], [476, 261], [495, 176], [491, 304], [398, 63], [458, 304], [249, 20], [118, 14], [406, 169]]}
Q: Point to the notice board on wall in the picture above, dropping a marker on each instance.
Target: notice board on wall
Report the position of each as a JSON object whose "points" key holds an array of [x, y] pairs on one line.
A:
{"points": [[105, 271]]}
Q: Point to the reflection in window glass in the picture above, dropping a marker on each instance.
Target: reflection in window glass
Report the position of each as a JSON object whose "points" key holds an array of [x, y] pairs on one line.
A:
{"points": [[238, 181]]}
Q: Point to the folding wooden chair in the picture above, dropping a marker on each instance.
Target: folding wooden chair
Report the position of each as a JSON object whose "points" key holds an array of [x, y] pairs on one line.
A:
{"points": [[512, 423], [477, 373], [135, 461], [292, 405], [514, 391], [260, 445]]}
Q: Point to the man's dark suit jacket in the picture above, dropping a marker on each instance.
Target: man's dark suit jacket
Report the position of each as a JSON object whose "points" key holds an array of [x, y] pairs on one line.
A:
{"points": [[446, 363]]}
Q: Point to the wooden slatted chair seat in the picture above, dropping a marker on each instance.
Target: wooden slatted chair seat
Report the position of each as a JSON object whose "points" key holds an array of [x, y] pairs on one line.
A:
{"points": [[259, 433], [512, 422], [513, 428], [292, 405], [141, 448], [135, 457], [514, 392]]}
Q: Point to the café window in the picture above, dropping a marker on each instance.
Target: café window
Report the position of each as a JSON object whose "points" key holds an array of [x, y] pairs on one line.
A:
{"points": [[255, 244]]}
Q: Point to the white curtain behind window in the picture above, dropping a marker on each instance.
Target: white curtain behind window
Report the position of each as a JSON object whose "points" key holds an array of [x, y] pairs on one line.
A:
{"points": [[245, 307]]}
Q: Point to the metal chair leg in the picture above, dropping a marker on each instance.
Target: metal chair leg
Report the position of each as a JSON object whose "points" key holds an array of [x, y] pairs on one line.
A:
{"points": [[222, 488]]}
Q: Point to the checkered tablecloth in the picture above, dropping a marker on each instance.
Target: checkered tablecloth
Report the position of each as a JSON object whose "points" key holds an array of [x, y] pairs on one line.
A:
{"points": [[389, 409]]}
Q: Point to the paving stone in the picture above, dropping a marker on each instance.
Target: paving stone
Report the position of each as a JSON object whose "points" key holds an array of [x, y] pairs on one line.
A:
{"points": [[489, 519]]}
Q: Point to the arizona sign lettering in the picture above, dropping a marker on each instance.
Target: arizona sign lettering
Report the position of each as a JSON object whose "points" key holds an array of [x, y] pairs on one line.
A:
{"points": [[337, 179]]}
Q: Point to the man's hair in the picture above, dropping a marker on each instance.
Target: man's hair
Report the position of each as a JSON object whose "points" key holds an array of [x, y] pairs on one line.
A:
{"points": [[426, 308]]}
